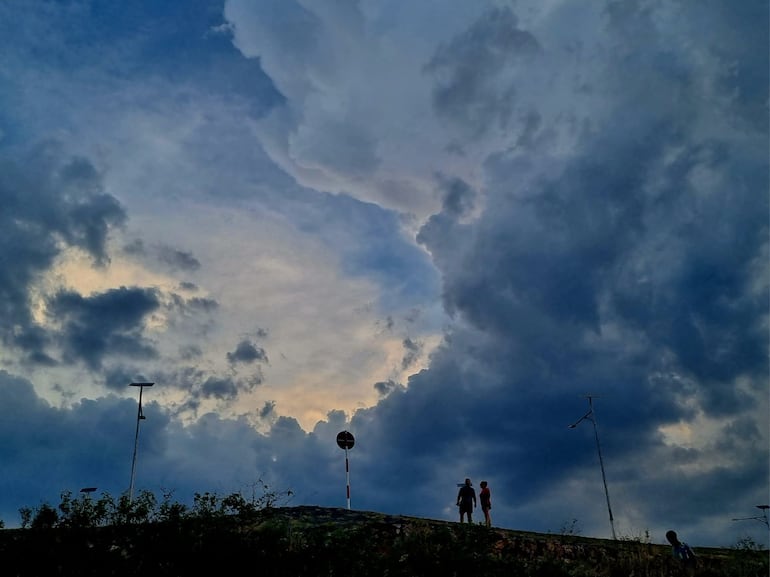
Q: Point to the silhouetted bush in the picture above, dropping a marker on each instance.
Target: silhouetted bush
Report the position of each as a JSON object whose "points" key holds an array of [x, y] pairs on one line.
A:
{"points": [[144, 508]]}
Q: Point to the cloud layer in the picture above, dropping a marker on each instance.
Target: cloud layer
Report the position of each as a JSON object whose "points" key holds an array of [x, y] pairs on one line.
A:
{"points": [[438, 227]]}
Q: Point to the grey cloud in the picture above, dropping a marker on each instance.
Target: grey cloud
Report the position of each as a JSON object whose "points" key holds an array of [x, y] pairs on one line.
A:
{"points": [[413, 350], [34, 341], [384, 388], [90, 223], [636, 257], [219, 388], [227, 388], [267, 410], [190, 352], [135, 247], [469, 88], [103, 325], [49, 202], [193, 305], [175, 259], [459, 198], [339, 147], [388, 323], [79, 210], [202, 384], [178, 259], [117, 376], [629, 260], [206, 305], [247, 352]]}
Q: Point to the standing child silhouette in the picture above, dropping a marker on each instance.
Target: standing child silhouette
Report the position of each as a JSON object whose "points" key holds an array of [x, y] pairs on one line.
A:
{"points": [[485, 498], [682, 551]]}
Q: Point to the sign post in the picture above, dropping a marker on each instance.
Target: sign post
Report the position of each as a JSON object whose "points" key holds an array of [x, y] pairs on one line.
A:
{"points": [[345, 440]]}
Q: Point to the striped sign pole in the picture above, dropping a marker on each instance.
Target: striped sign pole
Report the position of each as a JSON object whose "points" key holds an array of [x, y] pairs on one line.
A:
{"points": [[345, 440], [347, 478]]}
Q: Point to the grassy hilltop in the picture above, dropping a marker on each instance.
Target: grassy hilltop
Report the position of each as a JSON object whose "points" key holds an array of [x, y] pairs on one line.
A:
{"points": [[313, 541]]}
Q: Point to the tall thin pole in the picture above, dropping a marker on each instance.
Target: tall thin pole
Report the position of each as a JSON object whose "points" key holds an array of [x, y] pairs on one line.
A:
{"points": [[139, 417], [347, 476], [591, 416], [601, 464], [345, 440]]}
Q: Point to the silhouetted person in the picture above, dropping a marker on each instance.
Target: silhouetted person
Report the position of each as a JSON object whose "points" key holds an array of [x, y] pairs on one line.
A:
{"points": [[485, 500], [466, 500], [682, 552]]}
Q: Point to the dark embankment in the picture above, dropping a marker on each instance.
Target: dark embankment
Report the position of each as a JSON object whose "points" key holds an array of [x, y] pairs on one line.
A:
{"points": [[315, 541]]}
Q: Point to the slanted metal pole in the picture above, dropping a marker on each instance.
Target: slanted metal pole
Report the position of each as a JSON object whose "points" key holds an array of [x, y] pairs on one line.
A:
{"points": [[591, 416], [601, 464], [139, 417]]}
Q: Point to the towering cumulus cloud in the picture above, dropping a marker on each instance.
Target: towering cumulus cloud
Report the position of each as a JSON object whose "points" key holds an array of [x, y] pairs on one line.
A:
{"points": [[611, 236]]}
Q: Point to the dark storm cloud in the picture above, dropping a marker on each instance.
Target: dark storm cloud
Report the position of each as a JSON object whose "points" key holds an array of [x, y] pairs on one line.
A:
{"points": [[103, 325], [267, 410], [227, 388], [34, 342], [219, 388], [518, 282], [190, 307], [247, 352], [49, 202], [117, 376], [613, 242], [631, 270], [201, 384], [466, 71], [88, 221], [384, 388], [413, 350], [459, 198]]}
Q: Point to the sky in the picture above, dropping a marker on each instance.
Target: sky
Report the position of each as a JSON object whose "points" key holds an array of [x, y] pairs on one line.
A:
{"points": [[450, 228]]}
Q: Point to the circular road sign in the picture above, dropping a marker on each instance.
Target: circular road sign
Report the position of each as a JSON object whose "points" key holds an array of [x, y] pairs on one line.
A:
{"points": [[345, 440]]}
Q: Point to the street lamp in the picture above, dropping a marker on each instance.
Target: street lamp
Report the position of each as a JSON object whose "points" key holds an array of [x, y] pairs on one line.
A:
{"points": [[589, 416], [87, 491], [762, 518], [139, 417]]}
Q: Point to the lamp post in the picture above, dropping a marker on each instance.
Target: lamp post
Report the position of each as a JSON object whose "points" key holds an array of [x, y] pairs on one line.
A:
{"points": [[139, 417], [87, 492], [589, 416], [762, 518]]}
